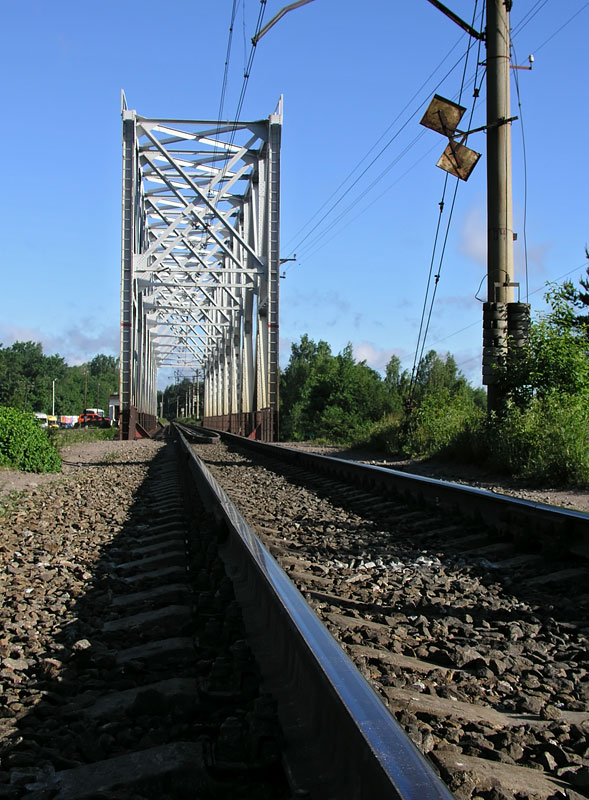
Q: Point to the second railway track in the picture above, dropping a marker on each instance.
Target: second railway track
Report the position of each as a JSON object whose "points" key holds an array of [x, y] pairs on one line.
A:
{"points": [[475, 636]]}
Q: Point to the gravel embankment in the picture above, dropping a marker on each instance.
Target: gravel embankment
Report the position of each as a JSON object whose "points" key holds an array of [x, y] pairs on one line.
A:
{"points": [[51, 538], [477, 659]]}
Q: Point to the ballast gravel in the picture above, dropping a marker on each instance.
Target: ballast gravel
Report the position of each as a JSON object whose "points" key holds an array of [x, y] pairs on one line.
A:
{"points": [[516, 655], [51, 536], [446, 629]]}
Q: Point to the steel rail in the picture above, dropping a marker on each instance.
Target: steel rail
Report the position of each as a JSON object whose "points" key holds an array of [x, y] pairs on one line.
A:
{"points": [[198, 435], [341, 742], [550, 525]]}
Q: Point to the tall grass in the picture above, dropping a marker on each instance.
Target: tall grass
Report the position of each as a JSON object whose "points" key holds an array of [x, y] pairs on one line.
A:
{"points": [[547, 442], [66, 436]]}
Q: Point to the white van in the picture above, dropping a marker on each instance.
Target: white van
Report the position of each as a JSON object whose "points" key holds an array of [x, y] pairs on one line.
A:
{"points": [[42, 419]]}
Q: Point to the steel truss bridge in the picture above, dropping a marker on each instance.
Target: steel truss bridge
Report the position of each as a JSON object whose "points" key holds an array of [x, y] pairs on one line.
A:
{"points": [[200, 268]]}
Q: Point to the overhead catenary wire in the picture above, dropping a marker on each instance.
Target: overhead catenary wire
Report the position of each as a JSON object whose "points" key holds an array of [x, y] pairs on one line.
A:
{"points": [[376, 143], [529, 16], [305, 248], [529, 293], [558, 30], [315, 247], [525, 176], [227, 60], [216, 149], [246, 76], [425, 321], [305, 251]]}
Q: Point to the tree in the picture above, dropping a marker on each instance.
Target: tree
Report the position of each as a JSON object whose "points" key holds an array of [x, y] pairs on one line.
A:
{"points": [[103, 365], [176, 395], [28, 380], [328, 396], [101, 376], [554, 358], [434, 374], [26, 376], [393, 373], [576, 298]]}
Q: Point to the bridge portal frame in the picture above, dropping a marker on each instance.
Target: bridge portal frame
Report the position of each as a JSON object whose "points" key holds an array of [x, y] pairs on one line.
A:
{"points": [[200, 267]]}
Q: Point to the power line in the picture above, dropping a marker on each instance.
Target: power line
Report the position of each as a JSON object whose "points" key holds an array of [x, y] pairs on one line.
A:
{"points": [[322, 237], [380, 138], [319, 236], [227, 59], [534, 291], [421, 339], [527, 18], [246, 76], [383, 149], [305, 251], [558, 30]]}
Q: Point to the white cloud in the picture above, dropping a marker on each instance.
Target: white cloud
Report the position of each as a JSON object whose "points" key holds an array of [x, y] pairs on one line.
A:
{"points": [[473, 236], [375, 357], [80, 343]]}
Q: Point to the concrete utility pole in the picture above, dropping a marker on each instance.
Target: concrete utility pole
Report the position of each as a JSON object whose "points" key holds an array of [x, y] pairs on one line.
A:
{"points": [[499, 197]]}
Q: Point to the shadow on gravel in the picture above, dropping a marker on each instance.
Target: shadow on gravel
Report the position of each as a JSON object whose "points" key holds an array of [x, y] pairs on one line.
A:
{"points": [[88, 692]]}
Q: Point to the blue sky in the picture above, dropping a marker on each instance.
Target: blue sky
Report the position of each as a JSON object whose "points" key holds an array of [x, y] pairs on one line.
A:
{"points": [[350, 74]]}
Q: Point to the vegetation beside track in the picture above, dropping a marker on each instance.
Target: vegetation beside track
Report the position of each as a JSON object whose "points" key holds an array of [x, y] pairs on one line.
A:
{"points": [[24, 445], [27, 447], [541, 433], [67, 436]]}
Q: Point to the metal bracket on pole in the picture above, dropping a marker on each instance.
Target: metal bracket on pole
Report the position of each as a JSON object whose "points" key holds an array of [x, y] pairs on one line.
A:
{"points": [[495, 124], [277, 17], [460, 22], [508, 285]]}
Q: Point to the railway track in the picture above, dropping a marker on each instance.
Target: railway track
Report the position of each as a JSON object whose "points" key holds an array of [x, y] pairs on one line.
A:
{"points": [[471, 627], [149, 646], [123, 662]]}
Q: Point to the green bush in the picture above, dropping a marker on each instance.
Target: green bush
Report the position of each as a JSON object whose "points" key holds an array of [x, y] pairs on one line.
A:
{"points": [[547, 442], [24, 445], [383, 436], [438, 423]]}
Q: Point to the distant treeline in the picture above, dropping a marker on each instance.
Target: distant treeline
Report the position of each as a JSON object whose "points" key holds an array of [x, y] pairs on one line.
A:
{"points": [[29, 380], [338, 399]]}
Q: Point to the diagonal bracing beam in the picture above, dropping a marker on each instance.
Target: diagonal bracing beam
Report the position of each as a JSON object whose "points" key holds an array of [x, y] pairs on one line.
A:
{"points": [[200, 266]]}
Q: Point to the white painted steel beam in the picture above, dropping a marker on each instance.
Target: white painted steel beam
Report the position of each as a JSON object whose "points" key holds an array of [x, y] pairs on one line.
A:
{"points": [[200, 259]]}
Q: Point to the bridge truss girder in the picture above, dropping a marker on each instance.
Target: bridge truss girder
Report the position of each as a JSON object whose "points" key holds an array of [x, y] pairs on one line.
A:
{"points": [[200, 267]]}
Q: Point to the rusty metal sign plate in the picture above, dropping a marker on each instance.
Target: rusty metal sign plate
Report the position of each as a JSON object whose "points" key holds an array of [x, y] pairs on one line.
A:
{"points": [[442, 115], [458, 160]]}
